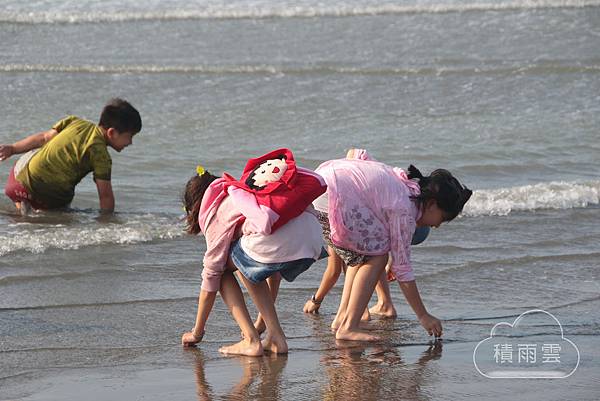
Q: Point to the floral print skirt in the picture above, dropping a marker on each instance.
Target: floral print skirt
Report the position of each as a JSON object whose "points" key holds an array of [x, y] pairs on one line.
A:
{"points": [[350, 258]]}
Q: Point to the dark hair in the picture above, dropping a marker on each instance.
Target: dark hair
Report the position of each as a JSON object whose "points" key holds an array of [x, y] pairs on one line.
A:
{"points": [[441, 186], [192, 199], [120, 115]]}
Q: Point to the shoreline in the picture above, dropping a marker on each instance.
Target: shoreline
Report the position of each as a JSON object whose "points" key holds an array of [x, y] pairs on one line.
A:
{"points": [[344, 371]]}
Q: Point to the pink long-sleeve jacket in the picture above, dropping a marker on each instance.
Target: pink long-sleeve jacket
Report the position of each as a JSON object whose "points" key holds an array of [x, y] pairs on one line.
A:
{"points": [[228, 210], [370, 209]]}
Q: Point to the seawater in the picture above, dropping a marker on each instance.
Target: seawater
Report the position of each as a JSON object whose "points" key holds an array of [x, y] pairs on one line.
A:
{"points": [[504, 94]]}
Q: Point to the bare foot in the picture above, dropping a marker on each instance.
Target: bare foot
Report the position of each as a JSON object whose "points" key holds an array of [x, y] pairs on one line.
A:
{"points": [[275, 345], [244, 347], [366, 316], [366, 325], [386, 311], [354, 335], [259, 325]]}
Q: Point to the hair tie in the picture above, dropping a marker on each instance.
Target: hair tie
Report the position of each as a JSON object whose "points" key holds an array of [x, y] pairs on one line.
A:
{"points": [[414, 172], [200, 170]]}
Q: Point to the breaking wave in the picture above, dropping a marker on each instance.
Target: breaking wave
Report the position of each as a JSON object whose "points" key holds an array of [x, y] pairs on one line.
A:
{"points": [[550, 195], [539, 68], [37, 238], [274, 10]]}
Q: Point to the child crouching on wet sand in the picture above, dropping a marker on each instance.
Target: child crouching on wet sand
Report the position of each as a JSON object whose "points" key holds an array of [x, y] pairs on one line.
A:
{"points": [[261, 225], [335, 266], [372, 209]]}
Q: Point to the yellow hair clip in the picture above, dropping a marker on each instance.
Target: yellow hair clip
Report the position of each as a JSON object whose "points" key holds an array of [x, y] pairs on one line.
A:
{"points": [[200, 170]]}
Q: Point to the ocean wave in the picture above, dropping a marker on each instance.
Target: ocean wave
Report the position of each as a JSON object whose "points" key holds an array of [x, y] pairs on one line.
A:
{"points": [[539, 68], [242, 11], [550, 195], [35, 238], [38, 238], [97, 304]]}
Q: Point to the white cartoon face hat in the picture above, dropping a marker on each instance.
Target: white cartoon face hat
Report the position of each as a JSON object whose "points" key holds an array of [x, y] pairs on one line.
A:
{"points": [[268, 171]]}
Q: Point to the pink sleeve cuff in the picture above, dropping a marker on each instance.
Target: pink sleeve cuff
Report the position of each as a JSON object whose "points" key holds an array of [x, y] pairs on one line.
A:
{"points": [[403, 273], [211, 282]]}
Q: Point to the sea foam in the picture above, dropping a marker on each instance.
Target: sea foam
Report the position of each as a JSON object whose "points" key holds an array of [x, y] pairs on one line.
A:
{"points": [[546, 67], [37, 238], [251, 10], [549, 195]]}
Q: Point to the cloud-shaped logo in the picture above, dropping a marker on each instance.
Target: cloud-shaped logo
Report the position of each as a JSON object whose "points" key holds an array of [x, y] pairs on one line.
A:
{"points": [[532, 347]]}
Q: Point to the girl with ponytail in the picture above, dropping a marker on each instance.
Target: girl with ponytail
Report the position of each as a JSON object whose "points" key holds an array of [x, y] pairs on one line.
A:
{"points": [[371, 209], [261, 227]]}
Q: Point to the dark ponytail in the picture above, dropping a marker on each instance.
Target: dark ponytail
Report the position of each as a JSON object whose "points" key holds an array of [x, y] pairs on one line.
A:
{"points": [[441, 186], [192, 199], [414, 172]]}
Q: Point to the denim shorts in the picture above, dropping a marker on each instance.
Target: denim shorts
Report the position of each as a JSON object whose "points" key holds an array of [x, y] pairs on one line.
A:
{"points": [[257, 271]]}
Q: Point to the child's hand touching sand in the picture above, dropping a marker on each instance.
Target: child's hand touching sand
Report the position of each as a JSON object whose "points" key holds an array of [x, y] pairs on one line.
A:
{"points": [[311, 306], [189, 339]]}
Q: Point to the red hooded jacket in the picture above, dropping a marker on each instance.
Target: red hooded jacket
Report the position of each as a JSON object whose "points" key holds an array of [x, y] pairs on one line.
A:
{"points": [[280, 188]]}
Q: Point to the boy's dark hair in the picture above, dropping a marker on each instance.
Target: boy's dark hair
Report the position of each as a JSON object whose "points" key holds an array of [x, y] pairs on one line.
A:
{"points": [[449, 194], [120, 115], [192, 199]]}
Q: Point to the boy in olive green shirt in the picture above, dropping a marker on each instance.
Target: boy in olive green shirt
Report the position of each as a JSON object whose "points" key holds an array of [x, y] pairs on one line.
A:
{"points": [[46, 178]]}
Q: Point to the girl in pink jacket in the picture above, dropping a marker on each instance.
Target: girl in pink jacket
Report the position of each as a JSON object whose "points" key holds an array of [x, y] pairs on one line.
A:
{"points": [[261, 226], [372, 209]]}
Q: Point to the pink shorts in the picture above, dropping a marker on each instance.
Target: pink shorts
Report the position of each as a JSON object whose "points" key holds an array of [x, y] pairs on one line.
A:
{"points": [[18, 193]]}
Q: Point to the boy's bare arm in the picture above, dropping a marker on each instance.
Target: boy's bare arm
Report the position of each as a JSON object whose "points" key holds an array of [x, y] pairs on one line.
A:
{"points": [[24, 145], [105, 195]]}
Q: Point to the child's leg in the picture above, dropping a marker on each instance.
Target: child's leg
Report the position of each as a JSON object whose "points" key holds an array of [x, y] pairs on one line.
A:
{"points": [[17, 193], [384, 306], [362, 287], [366, 316], [23, 207], [261, 295], [330, 277], [233, 297], [273, 282], [341, 313]]}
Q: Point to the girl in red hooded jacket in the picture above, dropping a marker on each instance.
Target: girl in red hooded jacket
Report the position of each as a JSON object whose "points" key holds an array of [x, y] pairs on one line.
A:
{"points": [[260, 227]]}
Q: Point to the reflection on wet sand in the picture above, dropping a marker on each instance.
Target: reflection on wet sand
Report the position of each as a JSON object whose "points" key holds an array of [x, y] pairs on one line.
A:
{"points": [[326, 369], [260, 378], [376, 372]]}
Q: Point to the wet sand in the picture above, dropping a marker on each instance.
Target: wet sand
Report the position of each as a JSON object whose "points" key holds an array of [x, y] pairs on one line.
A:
{"points": [[317, 367]]}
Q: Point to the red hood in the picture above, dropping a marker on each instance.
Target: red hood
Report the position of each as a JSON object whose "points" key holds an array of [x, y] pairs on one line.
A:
{"points": [[286, 179]]}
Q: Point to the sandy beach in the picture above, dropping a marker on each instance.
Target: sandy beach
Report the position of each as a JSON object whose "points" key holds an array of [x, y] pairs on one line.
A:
{"points": [[317, 368], [503, 93]]}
